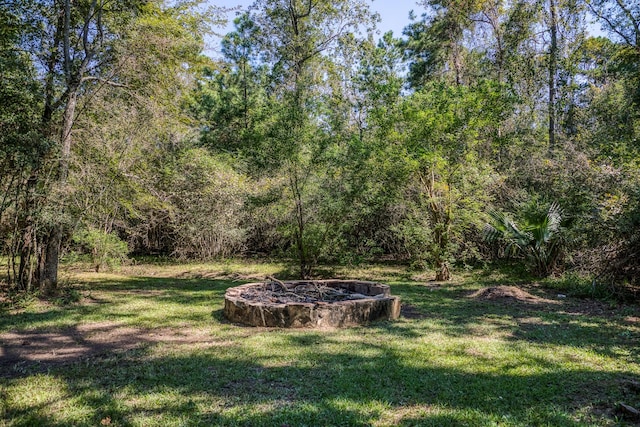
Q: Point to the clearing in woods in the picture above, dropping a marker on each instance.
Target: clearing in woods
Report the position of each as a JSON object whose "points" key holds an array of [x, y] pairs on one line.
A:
{"points": [[149, 346]]}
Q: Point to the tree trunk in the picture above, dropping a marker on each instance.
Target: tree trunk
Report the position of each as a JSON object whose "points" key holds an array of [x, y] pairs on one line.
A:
{"points": [[53, 242], [443, 273], [305, 268], [51, 255], [24, 277], [553, 66], [26, 228]]}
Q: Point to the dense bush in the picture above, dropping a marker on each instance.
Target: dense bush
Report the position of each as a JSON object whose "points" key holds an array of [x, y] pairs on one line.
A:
{"points": [[309, 141], [105, 249]]}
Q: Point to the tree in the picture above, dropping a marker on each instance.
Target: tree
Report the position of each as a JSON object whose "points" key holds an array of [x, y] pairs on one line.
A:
{"points": [[81, 48], [296, 38], [23, 149], [230, 100], [511, 42], [621, 18], [565, 24], [450, 182], [363, 106], [553, 70], [435, 44]]}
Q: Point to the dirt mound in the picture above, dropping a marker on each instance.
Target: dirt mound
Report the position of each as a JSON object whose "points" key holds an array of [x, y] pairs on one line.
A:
{"points": [[509, 293]]}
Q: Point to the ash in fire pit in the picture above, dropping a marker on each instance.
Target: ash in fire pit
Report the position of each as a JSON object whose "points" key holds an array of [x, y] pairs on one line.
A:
{"points": [[301, 304], [278, 292]]}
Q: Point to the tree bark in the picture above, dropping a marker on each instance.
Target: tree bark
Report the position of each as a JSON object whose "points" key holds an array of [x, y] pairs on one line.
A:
{"points": [[305, 268], [553, 66], [51, 254], [51, 249]]}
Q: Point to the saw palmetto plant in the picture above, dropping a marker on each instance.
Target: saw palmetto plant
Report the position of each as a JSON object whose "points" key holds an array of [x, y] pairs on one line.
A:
{"points": [[539, 238]]}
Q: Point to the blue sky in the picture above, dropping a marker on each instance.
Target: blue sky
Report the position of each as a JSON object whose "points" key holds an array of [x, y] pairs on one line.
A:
{"points": [[394, 14]]}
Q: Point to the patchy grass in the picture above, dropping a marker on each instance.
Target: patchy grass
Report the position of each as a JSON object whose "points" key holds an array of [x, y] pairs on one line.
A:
{"points": [[454, 359]]}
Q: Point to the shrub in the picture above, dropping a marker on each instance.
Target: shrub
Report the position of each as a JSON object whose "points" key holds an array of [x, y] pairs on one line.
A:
{"points": [[105, 249], [539, 238]]}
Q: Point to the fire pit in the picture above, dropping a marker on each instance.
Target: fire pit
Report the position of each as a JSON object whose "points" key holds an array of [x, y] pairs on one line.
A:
{"points": [[310, 304]]}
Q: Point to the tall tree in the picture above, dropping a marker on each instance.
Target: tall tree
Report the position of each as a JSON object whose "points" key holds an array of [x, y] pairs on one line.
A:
{"points": [[23, 147], [435, 44], [621, 19], [231, 99], [553, 70], [81, 48], [564, 21], [296, 37], [450, 182]]}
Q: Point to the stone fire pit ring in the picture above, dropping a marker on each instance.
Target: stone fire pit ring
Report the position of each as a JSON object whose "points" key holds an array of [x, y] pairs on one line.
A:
{"points": [[254, 304]]}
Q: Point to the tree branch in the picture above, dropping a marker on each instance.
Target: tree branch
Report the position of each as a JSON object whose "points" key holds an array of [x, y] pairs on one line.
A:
{"points": [[612, 27], [104, 81]]}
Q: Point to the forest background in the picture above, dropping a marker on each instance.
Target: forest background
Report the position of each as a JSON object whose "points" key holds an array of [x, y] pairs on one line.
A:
{"points": [[489, 130]]}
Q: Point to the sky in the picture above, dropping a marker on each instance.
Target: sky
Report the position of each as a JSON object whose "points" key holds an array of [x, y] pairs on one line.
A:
{"points": [[394, 16]]}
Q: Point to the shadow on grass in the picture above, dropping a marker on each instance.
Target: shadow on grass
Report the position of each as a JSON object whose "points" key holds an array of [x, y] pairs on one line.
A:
{"points": [[108, 299], [322, 388], [447, 309], [567, 322], [254, 377]]}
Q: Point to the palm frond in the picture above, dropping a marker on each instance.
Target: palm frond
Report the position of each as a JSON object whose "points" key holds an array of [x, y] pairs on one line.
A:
{"points": [[539, 238]]}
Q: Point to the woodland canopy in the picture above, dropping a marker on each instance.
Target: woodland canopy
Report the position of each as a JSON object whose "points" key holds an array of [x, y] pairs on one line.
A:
{"points": [[488, 130]]}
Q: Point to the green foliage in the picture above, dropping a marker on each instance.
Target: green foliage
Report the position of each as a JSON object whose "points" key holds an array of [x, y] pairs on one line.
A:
{"points": [[621, 18], [311, 140], [539, 237], [614, 259], [105, 249], [67, 295], [208, 197], [573, 284], [22, 146], [611, 124], [450, 183]]}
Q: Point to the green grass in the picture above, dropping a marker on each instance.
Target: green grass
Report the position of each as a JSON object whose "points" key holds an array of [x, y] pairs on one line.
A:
{"points": [[458, 361]]}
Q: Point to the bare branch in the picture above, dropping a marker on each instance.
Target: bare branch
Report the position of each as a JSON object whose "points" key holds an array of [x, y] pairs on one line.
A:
{"points": [[612, 26], [104, 81]]}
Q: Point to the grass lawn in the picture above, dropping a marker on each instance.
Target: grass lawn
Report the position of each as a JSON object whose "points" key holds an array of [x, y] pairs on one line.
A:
{"points": [[153, 349]]}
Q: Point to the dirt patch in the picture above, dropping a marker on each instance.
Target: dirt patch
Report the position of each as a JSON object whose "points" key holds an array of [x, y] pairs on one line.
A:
{"points": [[20, 351], [410, 312], [510, 293]]}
